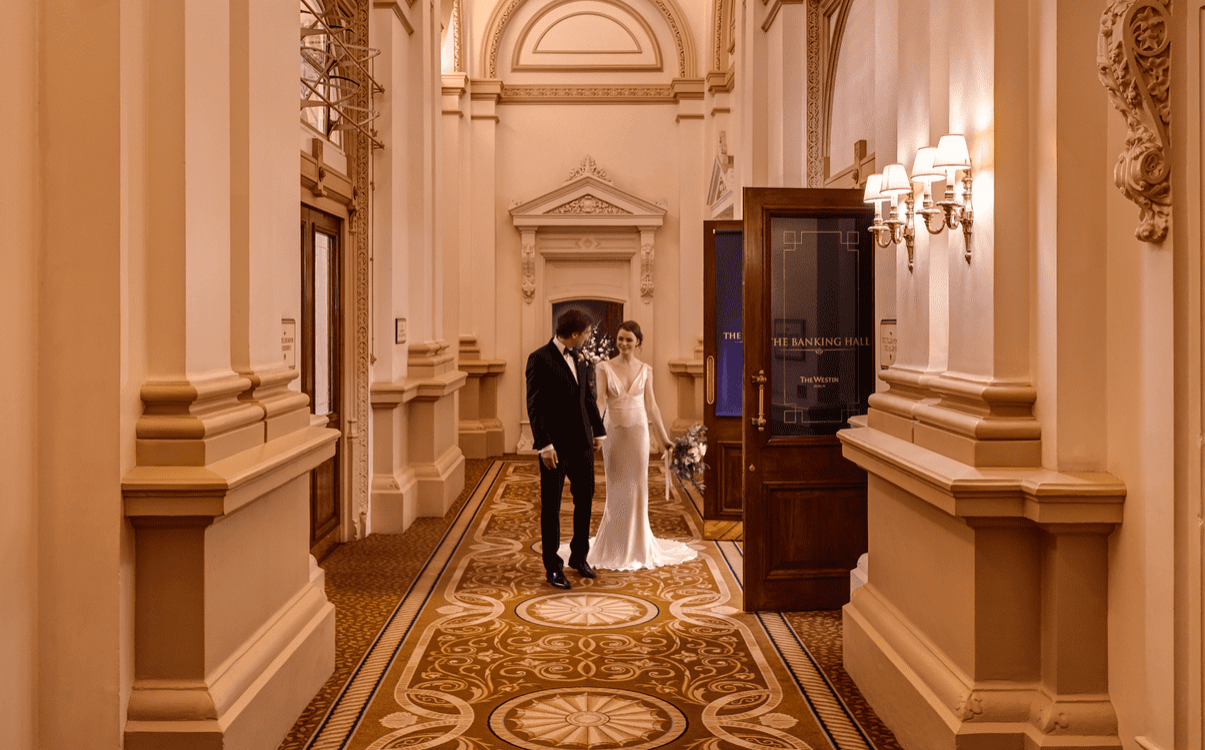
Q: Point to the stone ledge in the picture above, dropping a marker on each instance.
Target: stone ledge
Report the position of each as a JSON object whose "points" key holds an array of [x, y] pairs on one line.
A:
{"points": [[225, 486], [1038, 495]]}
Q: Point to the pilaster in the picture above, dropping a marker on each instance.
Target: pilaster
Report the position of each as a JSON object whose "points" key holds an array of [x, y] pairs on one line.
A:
{"points": [[435, 457], [233, 634], [481, 432], [688, 375], [983, 621]]}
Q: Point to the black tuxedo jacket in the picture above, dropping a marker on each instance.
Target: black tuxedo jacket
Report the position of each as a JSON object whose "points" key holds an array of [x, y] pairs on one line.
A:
{"points": [[562, 411]]}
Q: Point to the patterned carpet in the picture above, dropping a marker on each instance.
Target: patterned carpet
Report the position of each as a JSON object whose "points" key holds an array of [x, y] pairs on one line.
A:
{"points": [[467, 648]]}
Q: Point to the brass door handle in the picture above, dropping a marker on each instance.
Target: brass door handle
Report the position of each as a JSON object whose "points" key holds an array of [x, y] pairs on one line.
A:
{"points": [[760, 420], [711, 380]]}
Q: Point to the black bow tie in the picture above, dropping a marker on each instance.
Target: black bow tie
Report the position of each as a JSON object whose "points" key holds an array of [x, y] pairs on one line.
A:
{"points": [[573, 352]]}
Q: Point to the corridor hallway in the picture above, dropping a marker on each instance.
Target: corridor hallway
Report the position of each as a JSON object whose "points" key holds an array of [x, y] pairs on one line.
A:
{"points": [[390, 586]]}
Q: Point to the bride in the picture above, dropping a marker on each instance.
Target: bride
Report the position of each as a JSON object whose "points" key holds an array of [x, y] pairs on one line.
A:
{"points": [[625, 398]]}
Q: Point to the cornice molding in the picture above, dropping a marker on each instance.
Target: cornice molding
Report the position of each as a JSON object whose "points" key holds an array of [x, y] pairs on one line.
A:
{"points": [[589, 94], [772, 13], [1033, 494], [397, 11]]}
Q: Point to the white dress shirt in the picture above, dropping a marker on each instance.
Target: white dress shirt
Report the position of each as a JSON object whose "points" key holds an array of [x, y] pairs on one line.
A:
{"points": [[567, 355]]}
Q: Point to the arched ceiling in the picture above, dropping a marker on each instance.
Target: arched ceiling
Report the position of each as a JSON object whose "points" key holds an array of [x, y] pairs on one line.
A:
{"points": [[608, 42]]}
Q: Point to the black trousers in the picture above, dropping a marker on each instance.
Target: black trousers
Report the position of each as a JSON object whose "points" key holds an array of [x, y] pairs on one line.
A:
{"points": [[579, 469]]}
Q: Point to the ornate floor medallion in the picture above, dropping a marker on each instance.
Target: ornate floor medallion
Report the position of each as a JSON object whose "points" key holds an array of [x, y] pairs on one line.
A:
{"points": [[590, 718], [586, 611]]}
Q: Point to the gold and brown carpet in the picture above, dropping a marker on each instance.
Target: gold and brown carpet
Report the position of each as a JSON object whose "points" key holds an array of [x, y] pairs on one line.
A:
{"points": [[480, 653]]}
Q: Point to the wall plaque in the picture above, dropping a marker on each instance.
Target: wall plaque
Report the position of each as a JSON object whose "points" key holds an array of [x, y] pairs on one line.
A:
{"points": [[399, 330], [288, 342], [886, 343]]}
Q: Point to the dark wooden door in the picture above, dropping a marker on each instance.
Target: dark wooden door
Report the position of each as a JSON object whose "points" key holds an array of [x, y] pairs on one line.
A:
{"points": [[321, 360], [809, 367], [723, 361]]}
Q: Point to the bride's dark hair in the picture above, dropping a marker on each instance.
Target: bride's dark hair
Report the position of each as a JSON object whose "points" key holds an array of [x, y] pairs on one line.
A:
{"points": [[632, 327]]}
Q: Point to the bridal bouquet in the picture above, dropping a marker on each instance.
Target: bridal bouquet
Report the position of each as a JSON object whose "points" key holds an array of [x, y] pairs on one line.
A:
{"points": [[596, 349], [686, 457]]}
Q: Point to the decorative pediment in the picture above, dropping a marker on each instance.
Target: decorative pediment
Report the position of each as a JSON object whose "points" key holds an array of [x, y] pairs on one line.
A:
{"points": [[588, 198], [721, 174]]}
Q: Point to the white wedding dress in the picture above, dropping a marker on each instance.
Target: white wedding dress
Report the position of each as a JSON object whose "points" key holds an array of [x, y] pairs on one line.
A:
{"points": [[624, 540]]}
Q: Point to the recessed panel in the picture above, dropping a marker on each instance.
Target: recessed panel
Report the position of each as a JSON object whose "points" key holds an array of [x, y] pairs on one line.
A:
{"points": [[587, 35]]}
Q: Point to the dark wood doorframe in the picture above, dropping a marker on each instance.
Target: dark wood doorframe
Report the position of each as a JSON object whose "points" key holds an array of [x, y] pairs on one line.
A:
{"points": [[805, 504], [322, 333], [723, 505]]}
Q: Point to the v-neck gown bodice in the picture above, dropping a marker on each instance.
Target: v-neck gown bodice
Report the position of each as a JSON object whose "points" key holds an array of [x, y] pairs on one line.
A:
{"points": [[625, 540]]}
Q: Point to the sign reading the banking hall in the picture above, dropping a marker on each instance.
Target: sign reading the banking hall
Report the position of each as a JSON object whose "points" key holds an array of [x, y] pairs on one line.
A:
{"points": [[730, 350], [821, 348]]}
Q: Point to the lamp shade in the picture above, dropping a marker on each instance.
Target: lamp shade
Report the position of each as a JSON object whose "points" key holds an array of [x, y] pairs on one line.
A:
{"points": [[952, 153], [922, 167], [895, 180], [873, 193]]}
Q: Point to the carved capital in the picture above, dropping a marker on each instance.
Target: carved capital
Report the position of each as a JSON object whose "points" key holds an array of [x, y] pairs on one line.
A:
{"points": [[1132, 57]]}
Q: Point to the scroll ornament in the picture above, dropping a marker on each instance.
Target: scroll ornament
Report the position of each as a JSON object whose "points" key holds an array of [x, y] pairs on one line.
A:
{"points": [[529, 272], [1132, 56], [646, 272]]}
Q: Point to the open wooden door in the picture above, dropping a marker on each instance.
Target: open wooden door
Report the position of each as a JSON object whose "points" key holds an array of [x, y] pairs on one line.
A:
{"points": [[809, 367], [723, 256]]}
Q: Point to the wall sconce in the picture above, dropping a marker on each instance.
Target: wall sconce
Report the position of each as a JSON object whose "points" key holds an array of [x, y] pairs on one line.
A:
{"points": [[949, 158], [891, 187], [931, 164]]}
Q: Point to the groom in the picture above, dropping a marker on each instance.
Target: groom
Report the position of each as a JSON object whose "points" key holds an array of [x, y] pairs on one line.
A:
{"points": [[564, 426]]}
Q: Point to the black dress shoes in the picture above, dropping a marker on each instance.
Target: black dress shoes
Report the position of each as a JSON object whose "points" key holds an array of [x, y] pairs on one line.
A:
{"points": [[557, 578], [584, 570]]}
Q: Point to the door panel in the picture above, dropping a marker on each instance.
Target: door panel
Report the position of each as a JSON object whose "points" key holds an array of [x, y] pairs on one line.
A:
{"points": [[723, 503], [809, 367], [321, 361]]}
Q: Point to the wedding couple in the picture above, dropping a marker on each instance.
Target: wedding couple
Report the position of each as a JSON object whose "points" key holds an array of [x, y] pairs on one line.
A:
{"points": [[567, 421]]}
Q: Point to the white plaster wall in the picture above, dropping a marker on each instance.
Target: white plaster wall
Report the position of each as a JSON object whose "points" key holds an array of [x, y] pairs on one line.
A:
{"points": [[538, 146], [18, 377], [853, 117]]}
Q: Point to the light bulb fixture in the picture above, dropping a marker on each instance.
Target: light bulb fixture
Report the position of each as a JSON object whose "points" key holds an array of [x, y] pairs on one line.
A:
{"points": [[947, 160], [894, 188]]}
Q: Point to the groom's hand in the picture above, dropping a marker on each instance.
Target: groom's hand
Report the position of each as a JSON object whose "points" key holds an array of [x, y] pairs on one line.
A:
{"points": [[549, 458]]}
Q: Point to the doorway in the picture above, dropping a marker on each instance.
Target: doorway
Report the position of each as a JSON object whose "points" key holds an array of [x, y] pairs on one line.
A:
{"points": [[808, 368], [322, 362]]}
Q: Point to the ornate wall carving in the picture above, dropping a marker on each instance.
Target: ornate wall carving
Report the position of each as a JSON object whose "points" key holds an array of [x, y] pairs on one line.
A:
{"points": [[1132, 57], [646, 271], [588, 204], [529, 269], [577, 93], [357, 423], [588, 167], [815, 166]]}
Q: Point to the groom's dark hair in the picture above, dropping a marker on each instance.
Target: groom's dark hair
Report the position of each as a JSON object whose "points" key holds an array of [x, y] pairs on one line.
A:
{"points": [[572, 322]]}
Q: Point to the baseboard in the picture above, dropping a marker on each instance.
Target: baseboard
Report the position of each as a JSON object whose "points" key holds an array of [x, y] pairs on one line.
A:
{"points": [[439, 483]]}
